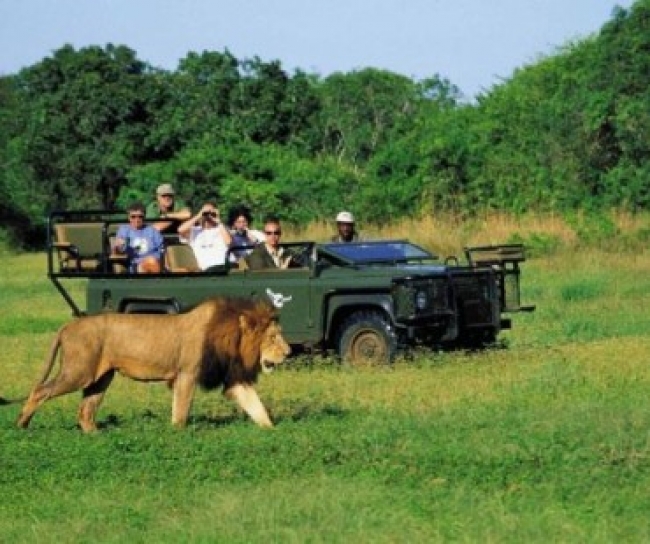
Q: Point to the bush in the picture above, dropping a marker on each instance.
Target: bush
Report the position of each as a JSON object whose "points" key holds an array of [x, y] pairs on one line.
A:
{"points": [[537, 244]]}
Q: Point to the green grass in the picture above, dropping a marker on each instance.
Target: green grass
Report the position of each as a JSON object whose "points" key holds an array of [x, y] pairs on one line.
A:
{"points": [[547, 439]]}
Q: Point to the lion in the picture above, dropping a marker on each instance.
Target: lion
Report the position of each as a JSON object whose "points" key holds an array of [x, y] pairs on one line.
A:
{"points": [[221, 342]]}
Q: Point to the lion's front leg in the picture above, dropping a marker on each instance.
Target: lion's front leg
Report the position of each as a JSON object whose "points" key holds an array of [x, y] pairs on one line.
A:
{"points": [[250, 402], [183, 385]]}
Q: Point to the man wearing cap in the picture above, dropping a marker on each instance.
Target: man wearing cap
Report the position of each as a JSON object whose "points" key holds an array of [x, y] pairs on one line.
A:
{"points": [[166, 206], [345, 228]]}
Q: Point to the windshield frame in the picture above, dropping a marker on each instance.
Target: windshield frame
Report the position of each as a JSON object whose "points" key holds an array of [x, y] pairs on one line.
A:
{"points": [[377, 252]]}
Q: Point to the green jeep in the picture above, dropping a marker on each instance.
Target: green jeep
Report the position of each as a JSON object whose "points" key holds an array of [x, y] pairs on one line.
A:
{"points": [[363, 301]]}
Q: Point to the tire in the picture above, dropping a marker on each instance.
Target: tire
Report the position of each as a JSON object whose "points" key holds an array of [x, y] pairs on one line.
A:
{"points": [[366, 338]]}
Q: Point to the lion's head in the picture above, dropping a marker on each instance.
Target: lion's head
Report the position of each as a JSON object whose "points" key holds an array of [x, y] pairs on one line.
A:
{"points": [[262, 341], [244, 338], [273, 347]]}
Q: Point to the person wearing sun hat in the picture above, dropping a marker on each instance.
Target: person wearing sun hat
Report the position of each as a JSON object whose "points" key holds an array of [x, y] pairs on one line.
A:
{"points": [[345, 228], [167, 207]]}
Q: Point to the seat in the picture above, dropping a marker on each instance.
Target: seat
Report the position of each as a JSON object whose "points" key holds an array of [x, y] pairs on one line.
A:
{"points": [[180, 258], [80, 246], [119, 261]]}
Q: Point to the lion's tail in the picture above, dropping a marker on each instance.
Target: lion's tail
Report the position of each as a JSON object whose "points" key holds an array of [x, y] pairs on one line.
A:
{"points": [[51, 357], [47, 368]]}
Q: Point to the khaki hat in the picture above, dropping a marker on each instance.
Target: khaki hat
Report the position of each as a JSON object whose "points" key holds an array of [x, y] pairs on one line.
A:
{"points": [[345, 217], [165, 189]]}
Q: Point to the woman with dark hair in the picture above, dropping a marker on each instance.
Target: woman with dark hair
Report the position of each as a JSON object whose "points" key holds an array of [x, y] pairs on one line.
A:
{"points": [[239, 221]]}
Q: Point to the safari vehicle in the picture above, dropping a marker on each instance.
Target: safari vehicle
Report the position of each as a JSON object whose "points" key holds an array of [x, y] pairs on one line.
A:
{"points": [[363, 301]]}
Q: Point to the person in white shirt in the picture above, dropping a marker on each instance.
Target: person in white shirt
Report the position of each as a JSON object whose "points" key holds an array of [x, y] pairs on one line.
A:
{"points": [[208, 237]]}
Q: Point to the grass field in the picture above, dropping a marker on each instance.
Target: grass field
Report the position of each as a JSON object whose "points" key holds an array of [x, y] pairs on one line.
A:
{"points": [[545, 439]]}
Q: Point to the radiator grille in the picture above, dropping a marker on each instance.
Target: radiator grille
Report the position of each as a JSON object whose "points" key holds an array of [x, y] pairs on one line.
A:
{"points": [[475, 294], [433, 294]]}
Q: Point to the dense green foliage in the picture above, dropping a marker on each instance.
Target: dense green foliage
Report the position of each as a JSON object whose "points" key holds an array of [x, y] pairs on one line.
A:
{"points": [[97, 127]]}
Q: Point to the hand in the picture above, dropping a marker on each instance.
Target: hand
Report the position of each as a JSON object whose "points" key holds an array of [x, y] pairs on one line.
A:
{"points": [[119, 245], [209, 208]]}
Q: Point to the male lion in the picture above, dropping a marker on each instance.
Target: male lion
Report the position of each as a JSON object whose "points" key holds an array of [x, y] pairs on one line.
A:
{"points": [[220, 342]]}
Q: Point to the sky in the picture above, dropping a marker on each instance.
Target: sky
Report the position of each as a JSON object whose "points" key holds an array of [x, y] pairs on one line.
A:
{"points": [[475, 44]]}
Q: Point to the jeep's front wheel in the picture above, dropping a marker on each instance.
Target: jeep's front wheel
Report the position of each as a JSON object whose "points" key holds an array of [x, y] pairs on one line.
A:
{"points": [[366, 338]]}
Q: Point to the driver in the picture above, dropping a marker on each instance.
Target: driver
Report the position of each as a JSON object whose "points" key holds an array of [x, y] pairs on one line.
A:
{"points": [[269, 254], [345, 228]]}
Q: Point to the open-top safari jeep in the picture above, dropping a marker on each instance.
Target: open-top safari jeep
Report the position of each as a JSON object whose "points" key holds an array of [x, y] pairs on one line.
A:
{"points": [[364, 300]]}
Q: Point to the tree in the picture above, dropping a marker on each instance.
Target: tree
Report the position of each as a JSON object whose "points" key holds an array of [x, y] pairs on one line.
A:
{"points": [[85, 118], [360, 109]]}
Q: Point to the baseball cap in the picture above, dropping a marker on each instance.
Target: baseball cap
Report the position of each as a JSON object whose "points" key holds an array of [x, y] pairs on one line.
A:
{"points": [[165, 189], [345, 217]]}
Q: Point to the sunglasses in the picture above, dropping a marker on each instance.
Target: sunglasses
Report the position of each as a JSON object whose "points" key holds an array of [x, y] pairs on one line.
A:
{"points": [[168, 196], [273, 232], [136, 216]]}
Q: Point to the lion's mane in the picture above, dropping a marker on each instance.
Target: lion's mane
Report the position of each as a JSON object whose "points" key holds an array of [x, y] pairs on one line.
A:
{"points": [[228, 357]]}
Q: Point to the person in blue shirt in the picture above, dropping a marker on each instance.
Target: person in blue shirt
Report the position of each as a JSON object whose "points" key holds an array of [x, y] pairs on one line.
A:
{"points": [[141, 243]]}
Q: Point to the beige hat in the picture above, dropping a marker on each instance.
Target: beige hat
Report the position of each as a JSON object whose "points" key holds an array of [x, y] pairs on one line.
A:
{"points": [[165, 189], [345, 217]]}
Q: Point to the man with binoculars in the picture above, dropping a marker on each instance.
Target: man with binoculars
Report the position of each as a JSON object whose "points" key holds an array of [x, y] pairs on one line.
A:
{"points": [[208, 236]]}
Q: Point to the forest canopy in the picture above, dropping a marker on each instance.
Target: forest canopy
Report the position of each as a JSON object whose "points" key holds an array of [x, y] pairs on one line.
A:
{"points": [[97, 128]]}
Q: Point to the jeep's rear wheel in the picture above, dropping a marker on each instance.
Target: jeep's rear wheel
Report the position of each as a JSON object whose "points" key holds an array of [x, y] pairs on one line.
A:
{"points": [[366, 338]]}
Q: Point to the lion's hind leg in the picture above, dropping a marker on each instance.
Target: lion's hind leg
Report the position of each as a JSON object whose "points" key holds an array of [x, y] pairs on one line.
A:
{"points": [[92, 398], [37, 397], [54, 388], [68, 380]]}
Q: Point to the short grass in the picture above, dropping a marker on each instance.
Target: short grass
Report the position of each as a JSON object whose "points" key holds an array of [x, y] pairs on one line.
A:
{"points": [[546, 438]]}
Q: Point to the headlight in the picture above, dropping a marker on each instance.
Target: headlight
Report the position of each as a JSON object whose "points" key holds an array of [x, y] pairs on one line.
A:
{"points": [[421, 300]]}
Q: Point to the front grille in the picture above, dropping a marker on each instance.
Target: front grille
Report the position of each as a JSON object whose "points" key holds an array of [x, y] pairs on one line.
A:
{"points": [[475, 294], [434, 291]]}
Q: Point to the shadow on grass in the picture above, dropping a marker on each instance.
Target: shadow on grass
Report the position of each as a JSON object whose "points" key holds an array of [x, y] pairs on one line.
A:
{"points": [[110, 422], [295, 414], [113, 421], [311, 413]]}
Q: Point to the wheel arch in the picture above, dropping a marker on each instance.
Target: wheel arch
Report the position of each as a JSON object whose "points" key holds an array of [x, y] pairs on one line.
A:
{"points": [[341, 306]]}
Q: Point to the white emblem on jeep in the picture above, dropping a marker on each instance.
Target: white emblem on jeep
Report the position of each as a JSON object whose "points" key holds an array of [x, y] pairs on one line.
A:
{"points": [[277, 299]]}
